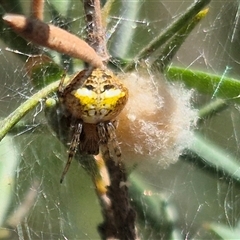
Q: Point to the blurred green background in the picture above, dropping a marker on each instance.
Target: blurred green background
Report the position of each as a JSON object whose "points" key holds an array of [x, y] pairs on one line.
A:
{"points": [[190, 193]]}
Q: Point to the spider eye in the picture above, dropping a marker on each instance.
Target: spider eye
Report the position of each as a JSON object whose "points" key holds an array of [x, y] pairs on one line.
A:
{"points": [[89, 87], [108, 86]]}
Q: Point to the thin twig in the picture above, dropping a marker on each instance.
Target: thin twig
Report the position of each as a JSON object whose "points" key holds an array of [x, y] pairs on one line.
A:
{"points": [[55, 38], [24, 208], [168, 32], [119, 216], [171, 48], [24, 108], [37, 9], [95, 29], [212, 109], [106, 11]]}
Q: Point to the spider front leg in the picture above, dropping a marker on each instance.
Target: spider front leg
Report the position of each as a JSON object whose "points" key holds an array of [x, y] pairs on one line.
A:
{"points": [[76, 132], [73, 147], [61, 86]]}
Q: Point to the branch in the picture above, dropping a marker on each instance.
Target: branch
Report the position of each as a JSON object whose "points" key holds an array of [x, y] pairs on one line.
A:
{"points": [[119, 216], [52, 37], [95, 29]]}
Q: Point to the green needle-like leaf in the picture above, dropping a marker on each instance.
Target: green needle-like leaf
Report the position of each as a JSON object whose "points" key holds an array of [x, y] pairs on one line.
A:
{"points": [[176, 42], [215, 85], [8, 163], [212, 108], [171, 30], [25, 107], [223, 231], [216, 156]]}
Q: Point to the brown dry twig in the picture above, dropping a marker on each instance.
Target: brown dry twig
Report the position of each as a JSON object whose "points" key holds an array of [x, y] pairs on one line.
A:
{"points": [[95, 29], [53, 37], [119, 216], [37, 9]]}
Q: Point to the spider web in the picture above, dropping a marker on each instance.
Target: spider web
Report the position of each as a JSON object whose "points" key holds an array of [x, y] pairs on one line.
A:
{"points": [[189, 193]]}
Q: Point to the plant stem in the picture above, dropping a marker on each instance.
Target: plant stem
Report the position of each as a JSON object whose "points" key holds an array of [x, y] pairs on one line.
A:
{"points": [[95, 30], [214, 156], [24, 108], [175, 43], [37, 9], [119, 216], [53, 37], [212, 108], [168, 32]]}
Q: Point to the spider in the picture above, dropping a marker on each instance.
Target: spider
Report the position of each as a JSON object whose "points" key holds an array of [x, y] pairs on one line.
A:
{"points": [[93, 101]]}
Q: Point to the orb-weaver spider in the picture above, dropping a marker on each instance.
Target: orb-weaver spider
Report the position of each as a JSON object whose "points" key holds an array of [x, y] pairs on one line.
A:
{"points": [[93, 101]]}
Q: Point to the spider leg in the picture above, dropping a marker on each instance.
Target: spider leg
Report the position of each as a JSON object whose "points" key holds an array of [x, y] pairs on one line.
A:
{"points": [[73, 148], [108, 141], [113, 143], [61, 85], [102, 133]]}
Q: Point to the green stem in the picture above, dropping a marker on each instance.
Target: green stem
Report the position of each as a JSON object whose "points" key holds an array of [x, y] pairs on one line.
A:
{"points": [[24, 108], [167, 33], [212, 108], [176, 42], [214, 156]]}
